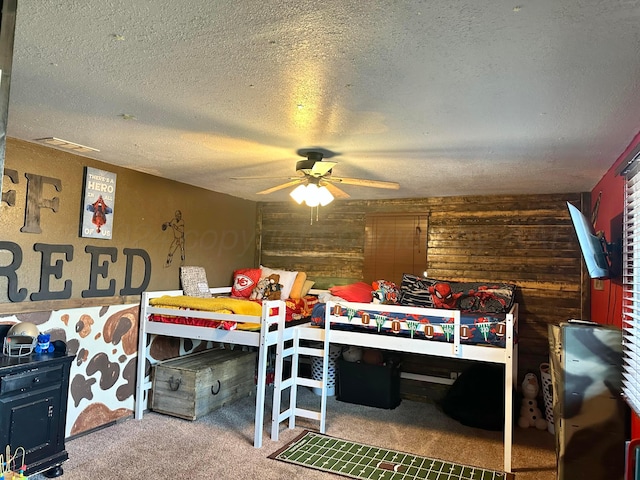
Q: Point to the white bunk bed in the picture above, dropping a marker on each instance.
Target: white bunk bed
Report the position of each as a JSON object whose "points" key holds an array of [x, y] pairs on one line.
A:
{"points": [[352, 314], [272, 328]]}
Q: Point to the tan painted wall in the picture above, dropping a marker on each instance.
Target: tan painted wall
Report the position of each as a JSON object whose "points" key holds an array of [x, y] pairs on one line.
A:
{"points": [[219, 229], [102, 332]]}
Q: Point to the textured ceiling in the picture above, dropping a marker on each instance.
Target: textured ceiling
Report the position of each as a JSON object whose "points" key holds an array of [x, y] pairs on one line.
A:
{"points": [[444, 97]]}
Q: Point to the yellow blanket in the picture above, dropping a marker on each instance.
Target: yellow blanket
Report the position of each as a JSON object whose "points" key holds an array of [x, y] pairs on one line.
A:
{"points": [[214, 304]]}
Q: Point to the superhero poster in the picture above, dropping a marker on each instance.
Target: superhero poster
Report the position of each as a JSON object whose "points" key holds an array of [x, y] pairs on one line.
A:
{"points": [[98, 200]]}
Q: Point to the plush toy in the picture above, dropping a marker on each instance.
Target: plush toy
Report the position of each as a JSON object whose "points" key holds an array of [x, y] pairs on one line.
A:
{"points": [[372, 356], [259, 290], [273, 287], [44, 343], [352, 354], [385, 292], [267, 288], [530, 414]]}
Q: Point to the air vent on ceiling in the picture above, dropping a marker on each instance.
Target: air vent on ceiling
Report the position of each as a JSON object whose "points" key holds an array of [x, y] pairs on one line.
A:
{"points": [[67, 145]]}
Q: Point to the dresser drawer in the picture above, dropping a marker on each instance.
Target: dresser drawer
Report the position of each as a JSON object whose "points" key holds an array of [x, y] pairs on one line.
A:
{"points": [[30, 379]]}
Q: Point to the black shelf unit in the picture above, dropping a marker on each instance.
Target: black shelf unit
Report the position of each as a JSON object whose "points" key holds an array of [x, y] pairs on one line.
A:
{"points": [[33, 409]]}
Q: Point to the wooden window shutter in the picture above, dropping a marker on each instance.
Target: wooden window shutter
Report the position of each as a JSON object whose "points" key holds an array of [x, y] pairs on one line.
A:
{"points": [[395, 244]]}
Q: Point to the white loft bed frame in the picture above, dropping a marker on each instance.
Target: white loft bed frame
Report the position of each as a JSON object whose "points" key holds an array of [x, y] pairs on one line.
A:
{"points": [[261, 339], [507, 356]]}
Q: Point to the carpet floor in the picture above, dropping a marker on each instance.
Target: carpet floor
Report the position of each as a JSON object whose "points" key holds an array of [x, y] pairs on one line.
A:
{"points": [[220, 444]]}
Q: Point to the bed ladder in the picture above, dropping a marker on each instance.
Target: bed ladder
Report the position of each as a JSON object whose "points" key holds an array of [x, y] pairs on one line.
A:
{"points": [[293, 350]]}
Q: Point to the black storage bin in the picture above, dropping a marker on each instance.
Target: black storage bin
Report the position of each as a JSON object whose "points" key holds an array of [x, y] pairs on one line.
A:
{"points": [[371, 385]]}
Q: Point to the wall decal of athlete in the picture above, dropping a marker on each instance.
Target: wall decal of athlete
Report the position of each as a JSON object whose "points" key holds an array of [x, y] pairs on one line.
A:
{"points": [[177, 226]]}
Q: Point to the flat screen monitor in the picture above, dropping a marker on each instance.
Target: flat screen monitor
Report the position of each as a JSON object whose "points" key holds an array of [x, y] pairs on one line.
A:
{"points": [[592, 247]]}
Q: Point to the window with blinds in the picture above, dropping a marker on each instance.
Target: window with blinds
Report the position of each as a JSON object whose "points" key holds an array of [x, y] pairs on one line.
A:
{"points": [[631, 281], [394, 244]]}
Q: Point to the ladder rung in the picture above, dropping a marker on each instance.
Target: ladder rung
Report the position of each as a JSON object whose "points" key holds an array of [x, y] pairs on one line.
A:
{"points": [[314, 352], [284, 415], [303, 412], [284, 384], [317, 334], [309, 382]]}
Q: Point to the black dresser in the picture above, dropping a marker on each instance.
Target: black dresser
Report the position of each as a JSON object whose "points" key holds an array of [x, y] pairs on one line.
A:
{"points": [[33, 409]]}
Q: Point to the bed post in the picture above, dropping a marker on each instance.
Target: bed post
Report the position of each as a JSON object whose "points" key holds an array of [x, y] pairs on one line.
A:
{"points": [[509, 382], [515, 342], [456, 333], [295, 371], [326, 346], [140, 397], [263, 355]]}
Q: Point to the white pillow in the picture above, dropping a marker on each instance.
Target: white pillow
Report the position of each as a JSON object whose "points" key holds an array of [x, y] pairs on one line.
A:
{"points": [[325, 297], [287, 278]]}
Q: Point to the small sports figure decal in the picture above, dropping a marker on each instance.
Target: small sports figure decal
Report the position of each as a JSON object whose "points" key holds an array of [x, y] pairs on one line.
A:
{"points": [[177, 225]]}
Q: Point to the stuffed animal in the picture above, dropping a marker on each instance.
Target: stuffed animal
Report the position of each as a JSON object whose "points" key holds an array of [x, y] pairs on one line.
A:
{"points": [[372, 356], [530, 414], [274, 288], [259, 290], [385, 292], [352, 354], [44, 343]]}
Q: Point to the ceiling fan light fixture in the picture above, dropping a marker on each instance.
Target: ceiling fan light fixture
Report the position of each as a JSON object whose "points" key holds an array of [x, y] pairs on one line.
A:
{"points": [[299, 194], [324, 196], [312, 195]]}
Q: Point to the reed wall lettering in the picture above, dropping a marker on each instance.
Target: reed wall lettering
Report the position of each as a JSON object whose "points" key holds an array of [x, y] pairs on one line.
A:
{"points": [[53, 259], [96, 261]]}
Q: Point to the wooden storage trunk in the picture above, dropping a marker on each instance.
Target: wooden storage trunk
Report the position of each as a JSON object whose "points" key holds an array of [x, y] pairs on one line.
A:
{"points": [[194, 385]]}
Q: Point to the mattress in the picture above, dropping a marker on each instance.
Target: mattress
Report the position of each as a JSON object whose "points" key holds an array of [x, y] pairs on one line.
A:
{"points": [[297, 311]]}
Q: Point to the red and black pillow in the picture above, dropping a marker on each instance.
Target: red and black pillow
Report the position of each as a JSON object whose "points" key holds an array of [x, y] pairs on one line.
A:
{"points": [[478, 297], [244, 281]]}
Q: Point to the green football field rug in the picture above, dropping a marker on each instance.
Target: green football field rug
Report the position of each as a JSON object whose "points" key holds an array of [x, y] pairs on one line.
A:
{"points": [[357, 460]]}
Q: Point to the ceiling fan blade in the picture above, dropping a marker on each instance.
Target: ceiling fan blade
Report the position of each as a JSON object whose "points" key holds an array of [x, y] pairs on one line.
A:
{"points": [[321, 168], [365, 183], [335, 191], [280, 187]]}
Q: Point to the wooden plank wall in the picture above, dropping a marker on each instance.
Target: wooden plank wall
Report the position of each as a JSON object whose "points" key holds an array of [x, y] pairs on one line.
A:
{"points": [[523, 239]]}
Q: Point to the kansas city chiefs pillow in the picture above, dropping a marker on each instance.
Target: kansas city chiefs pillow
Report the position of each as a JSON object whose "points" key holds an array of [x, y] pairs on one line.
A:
{"points": [[244, 280]]}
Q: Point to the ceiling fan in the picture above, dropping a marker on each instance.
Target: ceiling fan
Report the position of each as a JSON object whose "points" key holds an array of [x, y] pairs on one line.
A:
{"points": [[316, 171]]}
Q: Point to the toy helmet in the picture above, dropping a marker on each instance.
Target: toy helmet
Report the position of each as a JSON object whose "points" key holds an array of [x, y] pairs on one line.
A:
{"points": [[21, 339]]}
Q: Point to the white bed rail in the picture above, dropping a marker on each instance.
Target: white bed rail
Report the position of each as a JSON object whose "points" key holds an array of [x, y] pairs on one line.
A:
{"points": [[273, 314]]}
